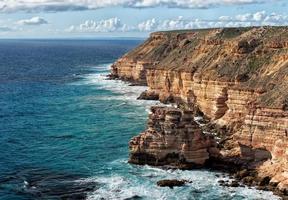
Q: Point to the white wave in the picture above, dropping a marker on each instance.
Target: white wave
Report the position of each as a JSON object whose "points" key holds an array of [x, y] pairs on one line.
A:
{"points": [[142, 182], [100, 68], [117, 187], [124, 92]]}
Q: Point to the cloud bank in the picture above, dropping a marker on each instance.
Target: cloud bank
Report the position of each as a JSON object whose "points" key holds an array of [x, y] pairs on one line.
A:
{"points": [[72, 5], [115, 25], [244, 20], [33, 21], [102, 26]]}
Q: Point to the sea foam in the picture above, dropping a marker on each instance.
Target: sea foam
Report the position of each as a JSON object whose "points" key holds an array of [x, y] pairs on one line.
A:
{"points": [[125, 92]]}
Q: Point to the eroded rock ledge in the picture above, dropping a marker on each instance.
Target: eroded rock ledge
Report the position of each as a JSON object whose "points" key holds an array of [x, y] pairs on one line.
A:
{"points": [[172, 138], [236, 77]]}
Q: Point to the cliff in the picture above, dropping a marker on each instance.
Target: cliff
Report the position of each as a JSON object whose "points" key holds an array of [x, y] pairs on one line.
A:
{"points": [[172, 138], [235, 77]]}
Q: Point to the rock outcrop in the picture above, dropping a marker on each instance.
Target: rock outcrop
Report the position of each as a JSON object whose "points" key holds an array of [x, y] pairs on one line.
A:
{"points": [[236, 77], [172, 138], [172, 183]]}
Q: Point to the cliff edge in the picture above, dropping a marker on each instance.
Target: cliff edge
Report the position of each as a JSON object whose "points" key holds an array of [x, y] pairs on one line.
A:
{"points": [[236, 78]]}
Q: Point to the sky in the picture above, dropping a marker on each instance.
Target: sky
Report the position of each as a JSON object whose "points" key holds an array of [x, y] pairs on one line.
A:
{"points": [[131, 18]]}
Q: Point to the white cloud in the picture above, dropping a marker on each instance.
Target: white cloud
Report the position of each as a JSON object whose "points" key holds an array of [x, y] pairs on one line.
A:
{"points": [[275, 18], [244, 20], [262, 18], [65, 5], [32, 21], [107, 25], [225, 18], [244, 17], [115, 25], [259, 16], [149, 25]]}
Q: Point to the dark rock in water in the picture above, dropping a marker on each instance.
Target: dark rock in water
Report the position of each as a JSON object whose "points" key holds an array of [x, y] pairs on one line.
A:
{"points": [[226, 185], [135, 197], [137, 84], [172, 183], [248, 180], [234, 184], [241, 174], [112, 77], [148, 96]]}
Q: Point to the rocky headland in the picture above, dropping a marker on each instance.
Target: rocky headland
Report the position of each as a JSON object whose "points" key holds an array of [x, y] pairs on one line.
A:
{"points": [[229, 88]]}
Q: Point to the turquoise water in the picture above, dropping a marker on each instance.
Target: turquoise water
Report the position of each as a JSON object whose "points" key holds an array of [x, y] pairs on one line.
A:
{"points": [[64, 128]]}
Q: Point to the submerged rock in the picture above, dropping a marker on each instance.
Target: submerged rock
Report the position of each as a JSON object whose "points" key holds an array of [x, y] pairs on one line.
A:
{"points": [[135, 197], [172, 183], [234, 184]]}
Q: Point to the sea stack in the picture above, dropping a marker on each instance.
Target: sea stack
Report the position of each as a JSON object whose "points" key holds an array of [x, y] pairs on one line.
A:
{"points": [[172, 138]]}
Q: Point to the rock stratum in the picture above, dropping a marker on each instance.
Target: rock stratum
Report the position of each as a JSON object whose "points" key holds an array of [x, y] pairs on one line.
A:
{"points": [[172, 138], [236, 78]]}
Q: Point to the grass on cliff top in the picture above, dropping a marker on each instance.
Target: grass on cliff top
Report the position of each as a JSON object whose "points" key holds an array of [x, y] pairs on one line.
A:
{"points": [[230, 32], [232, 29], [257, 62]]}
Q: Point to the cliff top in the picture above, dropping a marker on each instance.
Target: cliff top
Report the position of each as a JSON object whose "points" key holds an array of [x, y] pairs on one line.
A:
{"points": [[232, 29], [256, 58]]}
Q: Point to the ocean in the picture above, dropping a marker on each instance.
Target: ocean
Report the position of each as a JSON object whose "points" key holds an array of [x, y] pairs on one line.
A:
{"points": [[64, 128]]}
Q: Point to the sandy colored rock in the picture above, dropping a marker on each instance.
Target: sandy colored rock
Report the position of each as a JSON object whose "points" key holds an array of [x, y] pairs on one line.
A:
{"points": [[237, 77], [172, 138]]}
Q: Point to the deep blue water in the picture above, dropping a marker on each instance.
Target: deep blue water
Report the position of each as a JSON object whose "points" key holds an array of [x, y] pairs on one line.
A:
{"points": [[64, 129]]}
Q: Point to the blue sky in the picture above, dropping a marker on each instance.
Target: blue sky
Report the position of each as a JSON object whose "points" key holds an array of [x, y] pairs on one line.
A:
{"points": [[131, 18]]}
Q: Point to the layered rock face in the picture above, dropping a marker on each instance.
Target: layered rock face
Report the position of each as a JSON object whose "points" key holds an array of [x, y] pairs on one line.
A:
{"points": [[172, 138], [237, 77]]}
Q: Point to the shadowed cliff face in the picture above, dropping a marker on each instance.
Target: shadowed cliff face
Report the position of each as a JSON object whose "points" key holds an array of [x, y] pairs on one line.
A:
{"points": [[237, 77]]}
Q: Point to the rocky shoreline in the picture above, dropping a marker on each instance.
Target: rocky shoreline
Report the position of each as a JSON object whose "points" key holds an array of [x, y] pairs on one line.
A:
{"points": [[241, 173], [227, 119], [199, 150]]}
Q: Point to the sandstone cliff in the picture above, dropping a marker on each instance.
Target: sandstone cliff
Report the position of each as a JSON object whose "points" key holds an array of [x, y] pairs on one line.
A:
{"points": [[172, 138], [236, 77]]}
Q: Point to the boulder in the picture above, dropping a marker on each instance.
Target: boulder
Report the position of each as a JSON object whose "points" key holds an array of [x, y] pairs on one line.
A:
{"points": [[234, 184], [146, 95], [172, 183]]}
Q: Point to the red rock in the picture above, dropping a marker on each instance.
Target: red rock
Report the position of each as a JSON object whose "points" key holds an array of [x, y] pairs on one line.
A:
{"points": [[237, 78]]}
